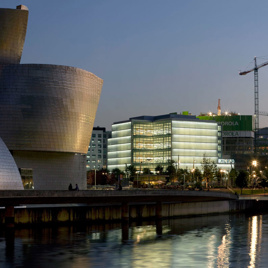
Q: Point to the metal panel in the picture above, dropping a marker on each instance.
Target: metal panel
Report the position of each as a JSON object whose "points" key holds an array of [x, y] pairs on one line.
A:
{"points": [[9, 175], [47, 107], [13, 26]]}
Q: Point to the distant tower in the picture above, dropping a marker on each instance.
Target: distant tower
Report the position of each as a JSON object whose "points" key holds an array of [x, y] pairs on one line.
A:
{"points": [[219, 106]]}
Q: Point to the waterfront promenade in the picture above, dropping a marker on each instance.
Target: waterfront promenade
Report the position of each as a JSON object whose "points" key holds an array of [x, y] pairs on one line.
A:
{"points": [[24, 197]]}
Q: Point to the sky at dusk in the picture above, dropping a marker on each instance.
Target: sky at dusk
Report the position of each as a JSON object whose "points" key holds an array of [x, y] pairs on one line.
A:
{"points": [[155, 57]]}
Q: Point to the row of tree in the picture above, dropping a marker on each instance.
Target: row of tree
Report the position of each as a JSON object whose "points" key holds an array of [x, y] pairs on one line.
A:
{"points": [[209, 174]]}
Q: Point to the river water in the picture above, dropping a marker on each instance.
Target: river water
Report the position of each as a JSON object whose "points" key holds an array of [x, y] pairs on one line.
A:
{"points": [[210, 241]]}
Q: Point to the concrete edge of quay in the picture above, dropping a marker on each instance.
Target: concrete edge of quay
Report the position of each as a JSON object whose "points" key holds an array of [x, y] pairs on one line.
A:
{"points": [[126, 211]]}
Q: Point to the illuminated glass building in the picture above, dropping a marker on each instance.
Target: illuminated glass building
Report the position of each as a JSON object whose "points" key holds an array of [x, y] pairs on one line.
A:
{"points": [[148, 141]]}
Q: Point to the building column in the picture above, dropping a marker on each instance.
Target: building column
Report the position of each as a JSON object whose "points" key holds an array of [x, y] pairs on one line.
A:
{"points": [[158, 210], [158, 218], [125, 221], [125, 212], [9, 216]]}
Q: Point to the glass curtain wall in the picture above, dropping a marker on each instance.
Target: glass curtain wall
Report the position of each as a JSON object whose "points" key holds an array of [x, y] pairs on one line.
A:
{"points": [[151, 144], [192, 140], [119, 146]]}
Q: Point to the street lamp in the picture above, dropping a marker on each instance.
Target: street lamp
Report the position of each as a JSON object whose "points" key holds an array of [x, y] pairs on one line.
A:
{"points": [[149, 160], [95, 179], [254, 164], [221, 175], [126, 170], [193, 170], [137, 174]]}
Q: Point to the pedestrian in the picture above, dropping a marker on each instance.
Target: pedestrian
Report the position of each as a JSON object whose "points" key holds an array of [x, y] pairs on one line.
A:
{"points": [[76, 188], [70, 187]]}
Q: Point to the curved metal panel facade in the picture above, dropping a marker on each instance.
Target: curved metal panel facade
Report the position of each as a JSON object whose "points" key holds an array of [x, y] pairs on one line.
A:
{"points": [[47, 107], [9, 174], [13, 23]]}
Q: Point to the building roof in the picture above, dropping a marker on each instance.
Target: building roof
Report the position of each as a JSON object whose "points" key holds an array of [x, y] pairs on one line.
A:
{"points": [[162, 117]]}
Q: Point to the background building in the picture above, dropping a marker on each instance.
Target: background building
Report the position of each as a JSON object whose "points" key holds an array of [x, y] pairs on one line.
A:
{"points": [[148, 141], [97, 149], [47, 111], [237, 137]]}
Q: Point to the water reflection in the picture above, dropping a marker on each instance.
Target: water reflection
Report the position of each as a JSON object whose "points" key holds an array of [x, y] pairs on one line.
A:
{"points": [[215, 241]]}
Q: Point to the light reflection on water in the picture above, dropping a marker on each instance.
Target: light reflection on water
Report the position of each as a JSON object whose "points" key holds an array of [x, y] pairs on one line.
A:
{"points": [[211, 241]]}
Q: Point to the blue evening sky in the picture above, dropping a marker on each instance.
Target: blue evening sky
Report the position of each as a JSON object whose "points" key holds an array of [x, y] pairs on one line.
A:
{"points": [[155, 56]]}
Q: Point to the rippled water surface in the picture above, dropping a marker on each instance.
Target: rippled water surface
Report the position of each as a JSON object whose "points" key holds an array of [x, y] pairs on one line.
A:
{"points": [[214, 241]]}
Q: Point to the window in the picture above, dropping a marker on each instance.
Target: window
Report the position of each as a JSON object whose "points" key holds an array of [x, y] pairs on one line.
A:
{"points": [[99, 156], [99, 135], [99, 140], [93, 135]]}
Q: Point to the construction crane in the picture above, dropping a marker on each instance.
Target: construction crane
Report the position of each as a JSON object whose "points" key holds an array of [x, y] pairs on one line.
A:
{"points": [[256, 96]]}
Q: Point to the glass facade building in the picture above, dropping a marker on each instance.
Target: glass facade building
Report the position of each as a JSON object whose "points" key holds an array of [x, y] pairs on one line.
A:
{"points": [[148, 141]]}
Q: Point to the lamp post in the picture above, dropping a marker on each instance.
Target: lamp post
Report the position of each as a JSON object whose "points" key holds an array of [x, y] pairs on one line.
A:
{"points": [[149, 160], [126, 170], [137, 175], [95, 180], [193, 170], [254, 165]]}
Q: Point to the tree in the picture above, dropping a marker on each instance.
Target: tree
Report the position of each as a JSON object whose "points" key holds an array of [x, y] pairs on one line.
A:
{"points": [[209, 169], [232, 176], [185, 176], [132, 170], [159, 169], [263, 183], [146, 171], [242, 180], [198, 175], [116, 172], [171, 170], [218, 176]]}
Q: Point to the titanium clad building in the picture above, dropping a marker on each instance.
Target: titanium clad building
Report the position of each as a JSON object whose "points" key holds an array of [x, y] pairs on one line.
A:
{"points": [[148, 141], [47, 114], [13, 32]]}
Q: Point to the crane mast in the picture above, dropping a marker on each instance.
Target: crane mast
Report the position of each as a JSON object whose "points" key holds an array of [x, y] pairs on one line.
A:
{"points": [[256, 97], [256, 100]]}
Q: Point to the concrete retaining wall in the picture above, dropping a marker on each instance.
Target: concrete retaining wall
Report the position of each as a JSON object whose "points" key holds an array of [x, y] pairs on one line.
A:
{"points": [[37, 215]]}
